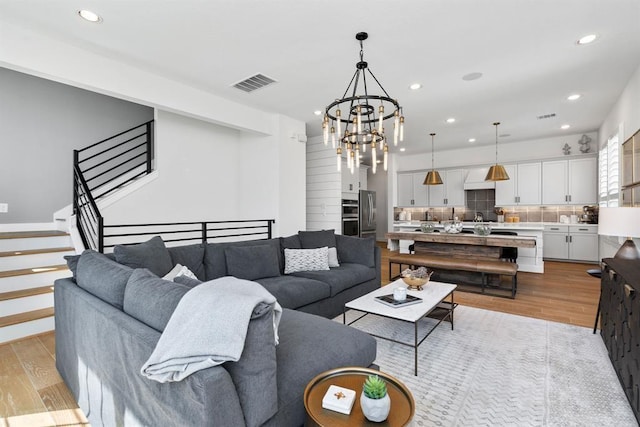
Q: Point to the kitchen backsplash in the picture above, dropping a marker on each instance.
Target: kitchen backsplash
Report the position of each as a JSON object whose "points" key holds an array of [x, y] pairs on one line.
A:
{"points": [[477, 204]]}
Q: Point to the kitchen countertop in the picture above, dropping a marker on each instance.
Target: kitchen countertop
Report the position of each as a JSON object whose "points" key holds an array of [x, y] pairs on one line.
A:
{"points": [[494, 225]]}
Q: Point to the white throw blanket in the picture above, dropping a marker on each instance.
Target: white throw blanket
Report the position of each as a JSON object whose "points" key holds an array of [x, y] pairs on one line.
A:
{"points": [[208, 328]]}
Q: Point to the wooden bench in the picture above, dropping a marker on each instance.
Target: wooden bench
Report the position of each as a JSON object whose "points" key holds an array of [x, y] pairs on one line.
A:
{"points": [[439, 262]]}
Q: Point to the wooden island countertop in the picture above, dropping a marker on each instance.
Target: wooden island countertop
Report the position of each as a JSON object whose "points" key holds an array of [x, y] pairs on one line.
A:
{"points": [[465, 239]]}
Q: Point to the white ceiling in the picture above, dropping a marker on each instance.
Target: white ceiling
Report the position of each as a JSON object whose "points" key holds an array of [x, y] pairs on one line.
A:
{"points": [[525, 49]]}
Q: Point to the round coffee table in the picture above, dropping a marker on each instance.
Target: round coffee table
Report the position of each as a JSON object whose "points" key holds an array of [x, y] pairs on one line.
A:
{"points": [[402, 404]]}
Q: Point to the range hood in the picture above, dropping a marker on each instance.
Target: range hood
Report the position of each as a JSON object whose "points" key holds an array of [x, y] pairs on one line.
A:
{"points": [[475, 179]]}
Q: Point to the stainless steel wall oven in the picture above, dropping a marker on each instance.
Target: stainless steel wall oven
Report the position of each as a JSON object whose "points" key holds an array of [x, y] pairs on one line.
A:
{"points": [[350, 217]]}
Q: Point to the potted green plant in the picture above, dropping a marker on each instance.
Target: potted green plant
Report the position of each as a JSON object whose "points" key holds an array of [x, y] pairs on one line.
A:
{"points": [[374, 400]]}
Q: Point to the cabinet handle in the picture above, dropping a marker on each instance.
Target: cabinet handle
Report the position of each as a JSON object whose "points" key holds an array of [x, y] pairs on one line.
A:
{"points": [[628, 290], [569, 197], [570, 239], [583, 229], [566, 239], [554, 228]]}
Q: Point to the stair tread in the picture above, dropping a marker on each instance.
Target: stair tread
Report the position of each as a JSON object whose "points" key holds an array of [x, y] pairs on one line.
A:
{"points": [[29, 234], [4, 296], [26, 317], [35, 251], [35, 270]]}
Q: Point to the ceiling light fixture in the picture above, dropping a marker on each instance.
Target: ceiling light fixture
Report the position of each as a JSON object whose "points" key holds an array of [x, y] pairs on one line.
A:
{"points": [[415, 86], [574, 97], [590, 38], [433, 176], [497, 172], [366, 114], [89, 16], [317, 112], [565, 127], [403, 149], [472, 140], [451, 120]]}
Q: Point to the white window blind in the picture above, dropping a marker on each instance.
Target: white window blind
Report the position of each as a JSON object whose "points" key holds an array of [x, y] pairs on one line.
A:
{"points": [[609, 173]]}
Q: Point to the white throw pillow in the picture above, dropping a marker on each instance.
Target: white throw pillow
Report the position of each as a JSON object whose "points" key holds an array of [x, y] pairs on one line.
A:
{"points": [[306, 260], [333, 257], [179, 270]]}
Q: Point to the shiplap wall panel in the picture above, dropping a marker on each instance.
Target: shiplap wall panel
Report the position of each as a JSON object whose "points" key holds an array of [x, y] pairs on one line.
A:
{"points": [[324, 191]]}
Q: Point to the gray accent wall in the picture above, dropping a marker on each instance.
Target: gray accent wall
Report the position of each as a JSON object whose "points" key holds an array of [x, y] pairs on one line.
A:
{"points": [[41, 123]]}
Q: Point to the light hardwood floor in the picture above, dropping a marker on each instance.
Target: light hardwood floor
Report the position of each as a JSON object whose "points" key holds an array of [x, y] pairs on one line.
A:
{"points": [[33, 394]]}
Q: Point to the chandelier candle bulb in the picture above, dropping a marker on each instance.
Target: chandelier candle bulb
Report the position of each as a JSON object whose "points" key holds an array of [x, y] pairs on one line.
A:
{"points": [[384, 156], [381, 117], [333, 137], [338, 120], [339, 157], [401, 128]]}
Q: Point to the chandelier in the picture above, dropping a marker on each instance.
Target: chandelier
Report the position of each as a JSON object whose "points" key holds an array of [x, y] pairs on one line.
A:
{"points": [[356, 121]]}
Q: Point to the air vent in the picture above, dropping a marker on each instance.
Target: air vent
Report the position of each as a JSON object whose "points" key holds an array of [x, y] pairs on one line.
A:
{"points": [[546, 116], [254, 82]]}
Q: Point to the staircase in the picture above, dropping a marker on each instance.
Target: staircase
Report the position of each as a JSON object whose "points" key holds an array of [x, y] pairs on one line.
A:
{"points": [[30, 261]]}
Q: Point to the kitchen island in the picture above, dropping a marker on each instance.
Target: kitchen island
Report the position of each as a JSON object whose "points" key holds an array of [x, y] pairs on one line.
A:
{"points": [[528, 241]]}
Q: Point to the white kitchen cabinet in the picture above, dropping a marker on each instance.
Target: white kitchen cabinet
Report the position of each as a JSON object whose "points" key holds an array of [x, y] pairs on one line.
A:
{"points": [[451, 192], [524, 186], [569, 182], [353, 183], [411, 191], [571, 242]]}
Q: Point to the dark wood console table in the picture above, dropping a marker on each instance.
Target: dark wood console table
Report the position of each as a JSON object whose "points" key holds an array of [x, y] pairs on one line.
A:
{"points": [[620, 323]]}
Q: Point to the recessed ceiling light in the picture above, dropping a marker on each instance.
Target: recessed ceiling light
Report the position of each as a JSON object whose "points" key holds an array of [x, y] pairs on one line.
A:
{"points": [[403, 149], [317, 112], [471, 76], [451, 120], [472, 140], [574, 97], [378, 161], [89, 16], [590, 38], [415, 86], [565, 126]]}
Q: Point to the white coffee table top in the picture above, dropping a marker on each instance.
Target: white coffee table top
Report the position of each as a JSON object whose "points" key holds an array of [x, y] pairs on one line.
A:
{"points": [[432, 294]]}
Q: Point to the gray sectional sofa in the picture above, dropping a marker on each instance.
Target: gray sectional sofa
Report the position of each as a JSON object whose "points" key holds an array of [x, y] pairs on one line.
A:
{"points": [[112, 312]]}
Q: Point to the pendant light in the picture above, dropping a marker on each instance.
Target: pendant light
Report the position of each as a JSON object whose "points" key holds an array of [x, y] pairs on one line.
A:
{"points": [[497, 172], [433, 176]]}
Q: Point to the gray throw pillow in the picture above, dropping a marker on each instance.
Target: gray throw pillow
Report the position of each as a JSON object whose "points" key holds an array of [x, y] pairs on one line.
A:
{"points": [[317, 239], [72, 263], [152, 254], [356, 250], [187, 281], [150, 299], [252, 262], [102, 277]]}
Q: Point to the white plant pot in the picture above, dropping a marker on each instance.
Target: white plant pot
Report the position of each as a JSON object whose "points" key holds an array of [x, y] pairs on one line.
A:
{"points": [[375, 410]]}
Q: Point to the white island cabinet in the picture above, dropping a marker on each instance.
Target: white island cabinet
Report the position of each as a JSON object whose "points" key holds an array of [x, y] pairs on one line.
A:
{"points": [[575, 242]]}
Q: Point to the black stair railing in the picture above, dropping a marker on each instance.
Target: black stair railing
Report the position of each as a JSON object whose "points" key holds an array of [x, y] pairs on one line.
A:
{"points": [[103, 168], [108, 165]]}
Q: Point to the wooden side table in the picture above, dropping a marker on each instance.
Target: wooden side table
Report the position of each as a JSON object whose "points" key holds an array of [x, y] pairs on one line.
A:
{"points": [[402, 404]]}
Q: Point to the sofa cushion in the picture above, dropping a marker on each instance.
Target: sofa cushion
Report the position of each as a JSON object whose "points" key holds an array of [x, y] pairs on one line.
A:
{"points": [[294, 292], [103, 277], [341, 278], [191, 256], [356, 250], [215, 262], [255, 373], [306, 260], [187, 281], [152, 254], [317, 239], [252, 262], [310, 345], [150, 299]]}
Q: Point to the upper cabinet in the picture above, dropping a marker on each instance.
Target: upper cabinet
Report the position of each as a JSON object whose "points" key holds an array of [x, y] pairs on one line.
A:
{"points": [[451, 192], [411, 191], [523, 186], [571, 181], [353, 183]]}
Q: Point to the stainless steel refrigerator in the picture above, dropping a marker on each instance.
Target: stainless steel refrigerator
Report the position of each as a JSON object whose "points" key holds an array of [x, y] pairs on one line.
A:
{"points": [[367, 209]]}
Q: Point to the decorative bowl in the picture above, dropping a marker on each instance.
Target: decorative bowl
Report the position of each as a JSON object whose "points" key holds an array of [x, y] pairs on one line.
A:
{"points": [[427, 227], [415, 283], [481, 229], [452, 227]]}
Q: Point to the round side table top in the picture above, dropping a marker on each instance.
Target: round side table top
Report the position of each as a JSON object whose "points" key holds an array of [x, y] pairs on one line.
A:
{"points": [[402, 403]]}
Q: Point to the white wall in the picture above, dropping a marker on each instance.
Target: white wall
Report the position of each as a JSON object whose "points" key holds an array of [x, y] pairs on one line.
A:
{"points": [[41, 123], [324, 187], [624, 115], [216, 159]]}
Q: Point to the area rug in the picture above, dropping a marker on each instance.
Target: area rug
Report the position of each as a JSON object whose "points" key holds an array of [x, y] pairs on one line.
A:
{"points": [[497, 369]]}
